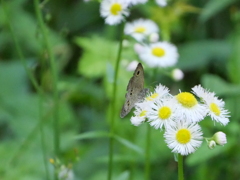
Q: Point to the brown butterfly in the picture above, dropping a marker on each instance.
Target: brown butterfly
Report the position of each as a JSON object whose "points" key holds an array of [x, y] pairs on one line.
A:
{"points": [[135, 90]]}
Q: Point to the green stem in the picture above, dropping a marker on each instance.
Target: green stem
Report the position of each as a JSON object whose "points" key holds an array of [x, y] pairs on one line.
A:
{"points": [[35, 85], [43, 137], [148, 137], [113, 104], [19, 52], [147, 153], [54, 73], [180, 167]]}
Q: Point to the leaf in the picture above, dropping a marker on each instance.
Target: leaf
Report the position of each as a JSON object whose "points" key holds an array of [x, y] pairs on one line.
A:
{"points": [[194, 55], [123, 176], [96, 53], [128, 144], [92, 135], [234, 63], [101, 134], [203, 154], [213, 7], [219, 86]]}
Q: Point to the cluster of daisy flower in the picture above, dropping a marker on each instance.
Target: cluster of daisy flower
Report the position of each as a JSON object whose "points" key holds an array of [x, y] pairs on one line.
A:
{"points": [[115, 11], [150, 50], [179, 116]]}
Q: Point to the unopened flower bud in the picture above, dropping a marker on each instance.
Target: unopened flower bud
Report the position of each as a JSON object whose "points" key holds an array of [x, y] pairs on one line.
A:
{"points": [[177, 74], [154, 37], [220, 138], [132, 65], [125, 43], [211, 144], [138, 48]]}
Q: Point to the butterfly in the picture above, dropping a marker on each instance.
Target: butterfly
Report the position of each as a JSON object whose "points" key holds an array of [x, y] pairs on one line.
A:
{"points": [[135, 90]]}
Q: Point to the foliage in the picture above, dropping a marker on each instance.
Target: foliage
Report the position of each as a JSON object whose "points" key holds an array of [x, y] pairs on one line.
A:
{"points": [[207, 34]]}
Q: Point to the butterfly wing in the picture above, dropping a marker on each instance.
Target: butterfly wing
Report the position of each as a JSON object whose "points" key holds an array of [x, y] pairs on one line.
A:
{"points": [[135, 86]]}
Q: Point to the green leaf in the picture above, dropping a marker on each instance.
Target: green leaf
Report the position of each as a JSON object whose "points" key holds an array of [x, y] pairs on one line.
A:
{"points": [[92, 135], [102, 134], [96, 53], [219, 86], [129, 144], [194, 55], [234, 63], [123, 176], [213, 7], [203, 154]]}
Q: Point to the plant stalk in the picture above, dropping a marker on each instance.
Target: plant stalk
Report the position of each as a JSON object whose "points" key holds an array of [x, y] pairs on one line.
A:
{"points": [[180, 167], [113, 106]]}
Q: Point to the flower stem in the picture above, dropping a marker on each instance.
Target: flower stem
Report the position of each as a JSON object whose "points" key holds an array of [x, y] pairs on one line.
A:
{"points": [[147, 153], [113, 104], [38, 89], [54, 73], [42, 136], [19, 51], [180, 167], [148, 137]]}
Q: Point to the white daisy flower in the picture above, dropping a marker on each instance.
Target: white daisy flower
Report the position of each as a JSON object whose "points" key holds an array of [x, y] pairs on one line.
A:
{"points": [[188, 108], [214, 106], [141, 28], [161, 114], [114, 11], [160, 92], [134, 2], [183, 138], [160, 54], [161, 3], [202, 93], [140, 113]]}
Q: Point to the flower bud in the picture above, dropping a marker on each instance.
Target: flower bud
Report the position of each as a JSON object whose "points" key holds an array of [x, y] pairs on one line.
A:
{"points": [[177, 74], [132, 65], [220, 138], [125, 43], [211, 144], [138, 48], [154, 37]]}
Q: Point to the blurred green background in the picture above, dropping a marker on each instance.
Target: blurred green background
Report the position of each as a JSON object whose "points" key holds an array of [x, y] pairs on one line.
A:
{"points": [[207, 34]]}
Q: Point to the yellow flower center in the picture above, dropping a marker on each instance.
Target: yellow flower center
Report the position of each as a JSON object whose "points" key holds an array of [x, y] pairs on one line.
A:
{"points": [[164, 112], [143, 113], [152, 97], [115, 8], [140, 29], [214, 108], [186, 99], [159, 52], [183, 136]]}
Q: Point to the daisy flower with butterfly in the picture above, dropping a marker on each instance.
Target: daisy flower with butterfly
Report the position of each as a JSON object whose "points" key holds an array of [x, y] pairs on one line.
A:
{"points": [[177, 115]]}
